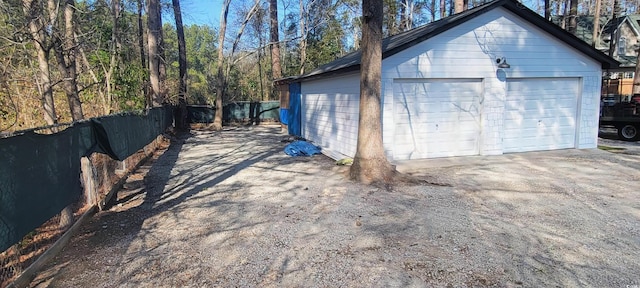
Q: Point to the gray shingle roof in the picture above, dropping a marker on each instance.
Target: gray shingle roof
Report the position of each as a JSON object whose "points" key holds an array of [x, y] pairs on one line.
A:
{"points": [[396, 43]]}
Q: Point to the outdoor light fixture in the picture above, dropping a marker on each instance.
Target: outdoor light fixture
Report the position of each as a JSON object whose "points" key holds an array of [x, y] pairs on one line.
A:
{"points": [[502, 63]]}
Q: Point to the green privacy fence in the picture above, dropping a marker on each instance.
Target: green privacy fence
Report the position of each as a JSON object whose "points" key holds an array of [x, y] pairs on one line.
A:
{"points": [[40, 174], [236, 112]]}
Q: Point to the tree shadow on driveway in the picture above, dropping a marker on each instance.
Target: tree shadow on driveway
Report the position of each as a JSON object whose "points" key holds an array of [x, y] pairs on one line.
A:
{"points": [[128, 234]]}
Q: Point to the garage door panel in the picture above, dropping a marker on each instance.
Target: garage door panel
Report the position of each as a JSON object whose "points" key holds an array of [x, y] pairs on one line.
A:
{"points": [[540, 114], [432, 115]]}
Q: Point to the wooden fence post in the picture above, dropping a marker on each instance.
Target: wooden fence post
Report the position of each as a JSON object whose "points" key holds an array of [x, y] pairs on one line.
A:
{"points": [[89, 180]]}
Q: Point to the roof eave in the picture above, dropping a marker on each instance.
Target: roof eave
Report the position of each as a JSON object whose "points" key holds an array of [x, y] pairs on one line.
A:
{"points": [[331, 73], [515, 7]]}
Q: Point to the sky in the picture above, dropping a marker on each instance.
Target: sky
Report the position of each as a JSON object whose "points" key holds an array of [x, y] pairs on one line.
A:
{"points": [[201, 12], [207, 12]]}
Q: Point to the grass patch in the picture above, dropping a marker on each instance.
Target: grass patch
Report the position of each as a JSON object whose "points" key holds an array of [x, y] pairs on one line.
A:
{"points": [[609, 148]]}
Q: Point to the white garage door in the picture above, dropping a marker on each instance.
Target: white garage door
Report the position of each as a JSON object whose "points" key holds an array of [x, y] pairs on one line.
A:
{"points": [[540, 114], [436, 118]]}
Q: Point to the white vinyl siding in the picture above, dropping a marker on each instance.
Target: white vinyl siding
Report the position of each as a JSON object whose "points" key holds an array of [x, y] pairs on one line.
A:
{"points": [[330, 113], [467, 51]]}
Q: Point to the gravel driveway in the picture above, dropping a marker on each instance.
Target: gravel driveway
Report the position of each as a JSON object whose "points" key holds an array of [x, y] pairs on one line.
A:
{"points": [[230, 209]]}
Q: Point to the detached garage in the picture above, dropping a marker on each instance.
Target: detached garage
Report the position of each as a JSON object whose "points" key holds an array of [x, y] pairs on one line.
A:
{"points": [[495, 79]]}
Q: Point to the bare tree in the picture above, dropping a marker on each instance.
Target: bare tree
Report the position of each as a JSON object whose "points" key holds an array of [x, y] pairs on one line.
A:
{"points": [[181, 121], [65, 50], [370, 163], [217, 121], [34, 14], [222, 73]]}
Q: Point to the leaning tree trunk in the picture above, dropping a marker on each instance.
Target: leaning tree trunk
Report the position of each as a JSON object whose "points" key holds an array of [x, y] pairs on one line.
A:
{"points": [[181, 120], [33, 13], [370, 163], [220, 82]]}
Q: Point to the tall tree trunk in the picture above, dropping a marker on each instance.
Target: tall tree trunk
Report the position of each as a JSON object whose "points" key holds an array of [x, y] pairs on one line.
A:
{"points": [[573, 17], [153, 43], [443, 9], [274, 38], [181, 120], [614, 33], [65, 50], [162, 64], [405, 10], [433, 10], [303, 39], [33, 13], [370, 163], [565, 15], [558, 5], [458, 6], [217, 121], [260, 71], [143, 57], [596, 25], [113, 51], [547, 9], [67, 67]]}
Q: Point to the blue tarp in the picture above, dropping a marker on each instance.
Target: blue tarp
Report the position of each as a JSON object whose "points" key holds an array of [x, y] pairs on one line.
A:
{"points": [[284, 116], [301, 148], [295, 123]]}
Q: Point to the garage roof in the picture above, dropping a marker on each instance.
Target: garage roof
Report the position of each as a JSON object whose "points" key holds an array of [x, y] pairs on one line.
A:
{"points": [[396, 43]]}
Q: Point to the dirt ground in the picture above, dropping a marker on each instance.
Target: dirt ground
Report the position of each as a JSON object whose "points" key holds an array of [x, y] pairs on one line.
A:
{"points": [[230, 209]]}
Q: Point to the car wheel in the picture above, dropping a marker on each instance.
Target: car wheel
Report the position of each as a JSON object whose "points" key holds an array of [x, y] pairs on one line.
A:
{"points": [[628, 132]]}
